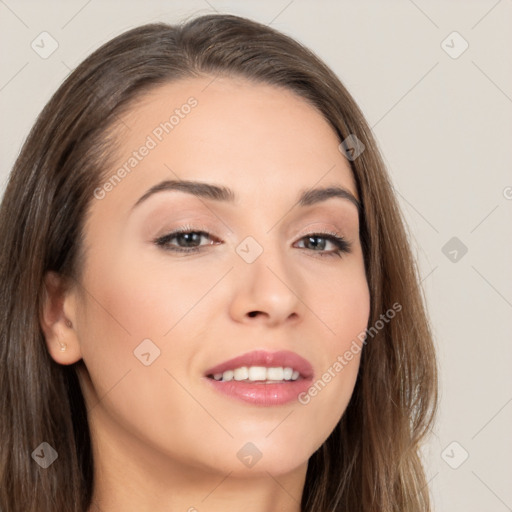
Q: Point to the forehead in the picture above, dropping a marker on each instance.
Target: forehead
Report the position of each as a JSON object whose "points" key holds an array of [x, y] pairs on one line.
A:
{"points": [[255, 137]]}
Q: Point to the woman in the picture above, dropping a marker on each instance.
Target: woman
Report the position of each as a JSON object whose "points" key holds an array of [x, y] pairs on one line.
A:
{"points": [[208, 297]]}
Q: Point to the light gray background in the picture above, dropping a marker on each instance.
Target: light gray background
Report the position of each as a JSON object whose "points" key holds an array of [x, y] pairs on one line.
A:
{"points": [[444, 125]]}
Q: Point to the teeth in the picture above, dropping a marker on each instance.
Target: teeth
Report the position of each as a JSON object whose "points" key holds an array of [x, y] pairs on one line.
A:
{"points": [[258, 373], [275, 374], [228, 375], [241, 373]]}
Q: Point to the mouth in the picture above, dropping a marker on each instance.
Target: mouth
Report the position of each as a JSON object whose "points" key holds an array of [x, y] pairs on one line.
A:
{"points": [[262, 378]]}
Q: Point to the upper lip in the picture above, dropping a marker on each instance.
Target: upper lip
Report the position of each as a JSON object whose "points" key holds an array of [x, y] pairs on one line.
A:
{"points": [[284, 358]]}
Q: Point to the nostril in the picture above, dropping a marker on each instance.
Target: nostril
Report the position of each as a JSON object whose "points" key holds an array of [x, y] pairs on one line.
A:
{"points": [[254, 313]]}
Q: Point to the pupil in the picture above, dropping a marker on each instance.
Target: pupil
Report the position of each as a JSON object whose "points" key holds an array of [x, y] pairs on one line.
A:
{"points": [[316, 244], [189, 237]]}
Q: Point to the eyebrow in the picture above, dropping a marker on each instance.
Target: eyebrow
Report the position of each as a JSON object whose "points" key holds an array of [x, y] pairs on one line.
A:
{"points": [[307, 197]]}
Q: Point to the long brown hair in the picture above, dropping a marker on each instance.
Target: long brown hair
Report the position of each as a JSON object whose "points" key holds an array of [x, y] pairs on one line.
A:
{"points": [[371, 460]]}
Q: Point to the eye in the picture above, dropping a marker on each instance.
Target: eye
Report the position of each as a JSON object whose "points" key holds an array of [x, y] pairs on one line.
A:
{"points": [[318, 242], [187, 239]]}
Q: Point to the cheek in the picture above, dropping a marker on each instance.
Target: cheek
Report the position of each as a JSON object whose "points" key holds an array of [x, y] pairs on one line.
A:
{"points": [[344, 308], [135, 314], [341, 301], [134, 299], [135, 307]]}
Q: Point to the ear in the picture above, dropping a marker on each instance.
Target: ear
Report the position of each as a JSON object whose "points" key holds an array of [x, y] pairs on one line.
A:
{"points": [[58, 320]]}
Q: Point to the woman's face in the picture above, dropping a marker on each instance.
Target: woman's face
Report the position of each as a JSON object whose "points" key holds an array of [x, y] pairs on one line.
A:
{"points": [[153, 320]]}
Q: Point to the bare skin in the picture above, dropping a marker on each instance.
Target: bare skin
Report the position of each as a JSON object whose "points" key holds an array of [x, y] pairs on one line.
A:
{"points": [[164, 440]]}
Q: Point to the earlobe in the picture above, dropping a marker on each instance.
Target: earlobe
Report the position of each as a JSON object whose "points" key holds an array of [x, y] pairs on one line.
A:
{"points": [[57, 316]]}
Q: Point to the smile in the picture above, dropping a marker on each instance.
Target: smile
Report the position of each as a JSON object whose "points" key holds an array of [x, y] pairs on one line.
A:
{"points": [[262, 378]]}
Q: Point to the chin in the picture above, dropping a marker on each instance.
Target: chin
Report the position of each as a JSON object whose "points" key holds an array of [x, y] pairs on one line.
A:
{"points": [[245, 459]]}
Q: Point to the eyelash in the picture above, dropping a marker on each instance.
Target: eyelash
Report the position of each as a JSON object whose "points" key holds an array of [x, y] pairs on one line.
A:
{"points": [[343, 246]]}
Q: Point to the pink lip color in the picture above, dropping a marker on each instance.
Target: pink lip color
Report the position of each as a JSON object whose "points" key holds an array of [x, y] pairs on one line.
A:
{"points": [[260, 393]]}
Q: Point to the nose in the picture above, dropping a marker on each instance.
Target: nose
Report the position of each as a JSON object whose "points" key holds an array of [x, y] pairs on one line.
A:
{"points": [[267, 292]]}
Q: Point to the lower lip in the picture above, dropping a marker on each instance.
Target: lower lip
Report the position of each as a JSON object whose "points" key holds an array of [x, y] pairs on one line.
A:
{"points": [[259, 393]]}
